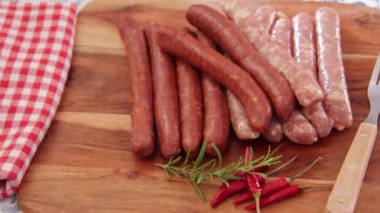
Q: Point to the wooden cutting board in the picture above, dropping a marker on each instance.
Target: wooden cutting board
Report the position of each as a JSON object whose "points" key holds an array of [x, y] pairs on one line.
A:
{"points": [[85, 165]]}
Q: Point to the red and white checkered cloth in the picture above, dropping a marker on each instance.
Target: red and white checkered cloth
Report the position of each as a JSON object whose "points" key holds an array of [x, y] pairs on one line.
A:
{"points": [[36, 42]]}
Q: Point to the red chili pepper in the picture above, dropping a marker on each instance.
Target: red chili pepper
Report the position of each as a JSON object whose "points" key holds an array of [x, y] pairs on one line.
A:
{"points": [[252, 182], [247, 158], [261, 169], [274, 186], [253, 185], [261, 178], [257, 170], [235, 187], [238, 185], [248, 195], [239, 174], [282, 182], [243, 198], [288, 192], [267, 189]]}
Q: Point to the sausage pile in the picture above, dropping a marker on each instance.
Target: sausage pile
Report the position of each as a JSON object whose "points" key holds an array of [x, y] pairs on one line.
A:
{"points": [[260, 70]]}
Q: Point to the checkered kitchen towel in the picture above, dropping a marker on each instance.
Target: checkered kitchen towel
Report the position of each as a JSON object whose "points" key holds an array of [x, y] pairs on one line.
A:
{"points": [[36, 42]]}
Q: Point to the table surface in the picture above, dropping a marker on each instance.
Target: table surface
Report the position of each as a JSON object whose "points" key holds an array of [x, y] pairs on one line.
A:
{"points": [[85, 163]]}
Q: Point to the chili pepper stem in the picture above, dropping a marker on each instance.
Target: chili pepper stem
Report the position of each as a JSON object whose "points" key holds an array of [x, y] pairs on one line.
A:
{"points": [[256, 196], [305, 170], [304, 188], [282, 166], [248, 154], [278, 148]]}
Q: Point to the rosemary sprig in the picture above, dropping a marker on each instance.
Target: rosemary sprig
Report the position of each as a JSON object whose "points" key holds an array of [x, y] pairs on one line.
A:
{"points": [[199, 173]]}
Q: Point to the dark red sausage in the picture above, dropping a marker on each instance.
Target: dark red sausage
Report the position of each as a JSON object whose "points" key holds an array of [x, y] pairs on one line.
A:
{"points": [[166, 106], [222, 70], [217, 120], [239, 48], [331, 70], [191, 106], [142, 133]]}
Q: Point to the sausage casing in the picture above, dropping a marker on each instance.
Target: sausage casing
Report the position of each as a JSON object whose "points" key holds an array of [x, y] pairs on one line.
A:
{"points": [[142, 133], [166, 104]]}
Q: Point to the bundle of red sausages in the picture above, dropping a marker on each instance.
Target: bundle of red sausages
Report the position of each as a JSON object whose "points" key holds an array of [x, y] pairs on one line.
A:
{"points": [[258, 69]]}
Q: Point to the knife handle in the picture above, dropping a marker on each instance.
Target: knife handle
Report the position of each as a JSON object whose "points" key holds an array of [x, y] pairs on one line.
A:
{"points": [[347, 186]]}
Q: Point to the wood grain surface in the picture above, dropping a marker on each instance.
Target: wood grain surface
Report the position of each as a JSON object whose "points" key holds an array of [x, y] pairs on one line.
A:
{"points": [[85, 165]]}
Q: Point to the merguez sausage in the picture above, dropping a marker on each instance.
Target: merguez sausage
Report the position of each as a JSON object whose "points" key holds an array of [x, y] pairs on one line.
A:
{"points": [[191, 106], [222, 70], [216, 118], [142, 133], [239, 120], [331, 71], [304, 52], [305, 87], [166, 105], [238, 47]]}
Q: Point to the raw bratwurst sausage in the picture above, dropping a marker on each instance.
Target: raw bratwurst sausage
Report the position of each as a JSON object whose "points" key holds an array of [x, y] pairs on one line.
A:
{"points": [[298, 129], [222, 70], [142, 137], [216, 118], [274, 132], [282, 32], [297, 123], [166, 105], [331, 71], [239, 120], [265, 16], [304, 52], [305, 87], [239, 48]]}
